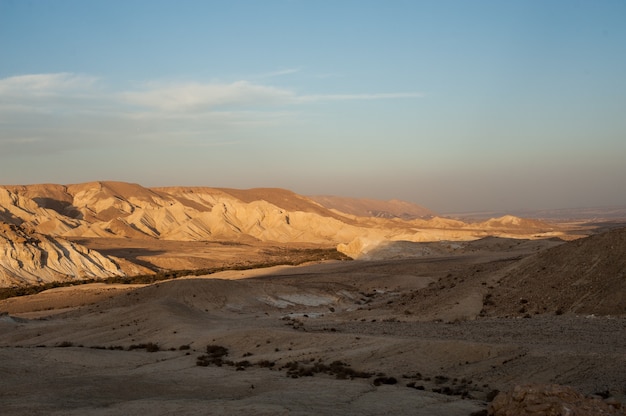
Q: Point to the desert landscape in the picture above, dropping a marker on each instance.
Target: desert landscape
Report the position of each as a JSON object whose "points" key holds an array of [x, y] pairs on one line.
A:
{"points": [[121, 299]]}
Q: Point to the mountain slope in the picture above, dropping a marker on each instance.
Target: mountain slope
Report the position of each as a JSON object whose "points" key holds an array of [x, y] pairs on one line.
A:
{"points": [[118, 210], [363, 207], [123, 210], [585, 276], [35, 258], [114, 209]]}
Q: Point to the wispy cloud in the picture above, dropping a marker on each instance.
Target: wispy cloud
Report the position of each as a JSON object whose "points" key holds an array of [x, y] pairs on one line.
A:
{"points": [[357, 97], [202, 97], [42, 113], [197, 96], [44, 84], [280, 73], [37, 91]]}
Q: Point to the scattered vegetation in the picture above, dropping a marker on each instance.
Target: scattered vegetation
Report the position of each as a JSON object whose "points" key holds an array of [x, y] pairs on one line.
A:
{"points": [[216, 355], [339, 369], [276, 257], [149, 347], [385, 380], [15, 291]]}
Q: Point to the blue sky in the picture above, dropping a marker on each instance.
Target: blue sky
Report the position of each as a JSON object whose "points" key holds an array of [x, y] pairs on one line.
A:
{"points": [[454, 105]]}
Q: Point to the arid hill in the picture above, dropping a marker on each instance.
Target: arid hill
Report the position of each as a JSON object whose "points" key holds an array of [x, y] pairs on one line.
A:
{"points": [[117, 209], [27, 258], [586, 276], [365, 207], [105, 212]]}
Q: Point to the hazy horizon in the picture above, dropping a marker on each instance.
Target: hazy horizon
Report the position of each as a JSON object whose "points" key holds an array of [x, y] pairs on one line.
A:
{"points": [[455, 106]]}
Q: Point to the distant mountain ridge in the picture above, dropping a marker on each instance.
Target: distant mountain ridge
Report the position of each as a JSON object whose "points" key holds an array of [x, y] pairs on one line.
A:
{"points": [[364, 207], [603, 214], [125, 210]]}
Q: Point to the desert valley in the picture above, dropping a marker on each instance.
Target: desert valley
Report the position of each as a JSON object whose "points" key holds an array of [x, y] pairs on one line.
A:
{"points": [[121, 299]]}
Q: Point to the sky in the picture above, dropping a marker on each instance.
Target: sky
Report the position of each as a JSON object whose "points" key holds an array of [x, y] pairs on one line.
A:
{"points": [[453, 105]]}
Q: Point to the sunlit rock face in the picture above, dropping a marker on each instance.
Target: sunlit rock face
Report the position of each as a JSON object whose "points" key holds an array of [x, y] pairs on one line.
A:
{"points": [[28, 257]]}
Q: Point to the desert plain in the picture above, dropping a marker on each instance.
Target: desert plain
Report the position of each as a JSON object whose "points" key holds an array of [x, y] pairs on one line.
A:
{"points": [[381, 314]]}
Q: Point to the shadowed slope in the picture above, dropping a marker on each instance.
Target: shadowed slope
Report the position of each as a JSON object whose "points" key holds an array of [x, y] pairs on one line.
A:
{"points": [[586, 276]]}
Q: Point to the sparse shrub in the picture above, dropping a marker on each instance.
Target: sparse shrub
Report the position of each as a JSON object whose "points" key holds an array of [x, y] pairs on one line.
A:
{"points": [[216, 351], [214, 355], [339, 369], [265, 364], [149, 347], [385, 380], [488, 300], [441, 379]]}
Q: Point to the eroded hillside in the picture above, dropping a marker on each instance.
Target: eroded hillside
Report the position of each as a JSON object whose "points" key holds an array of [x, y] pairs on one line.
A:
{"points": [[96, 212], [28, 257]]}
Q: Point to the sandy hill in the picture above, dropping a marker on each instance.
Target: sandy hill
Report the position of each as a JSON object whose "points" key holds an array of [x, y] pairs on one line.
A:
{"points": [[511, 222], [364, 207], [115, 209], [118, 210], [35, 258], [585, 276]]}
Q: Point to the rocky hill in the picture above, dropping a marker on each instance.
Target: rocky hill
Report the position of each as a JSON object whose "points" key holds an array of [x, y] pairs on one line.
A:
{"points": [[364, 207], [27, 257], [118, 210], [585, 276]]}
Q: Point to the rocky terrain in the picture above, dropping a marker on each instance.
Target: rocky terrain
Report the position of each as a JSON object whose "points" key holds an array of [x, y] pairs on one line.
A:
{"points": [[109, 217], [491, 319], [33, 258], [361, 207]]}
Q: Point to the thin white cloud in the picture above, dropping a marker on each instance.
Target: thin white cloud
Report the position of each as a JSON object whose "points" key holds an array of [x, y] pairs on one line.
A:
{"points": [[42, 113], [74, 92], [196, 96], [44, 84], [214, 96], [280, 73], [357, 97]]}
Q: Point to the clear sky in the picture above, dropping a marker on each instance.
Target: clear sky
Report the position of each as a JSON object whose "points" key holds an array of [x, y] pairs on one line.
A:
{"points": [[454, 105]]}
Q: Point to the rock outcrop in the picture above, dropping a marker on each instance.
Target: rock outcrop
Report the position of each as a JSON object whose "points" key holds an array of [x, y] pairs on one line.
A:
{"points": [[551, 400], [28, 257]]}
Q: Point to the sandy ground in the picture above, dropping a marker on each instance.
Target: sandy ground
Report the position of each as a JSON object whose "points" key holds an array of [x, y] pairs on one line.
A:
{"points": [[70, 351]]}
